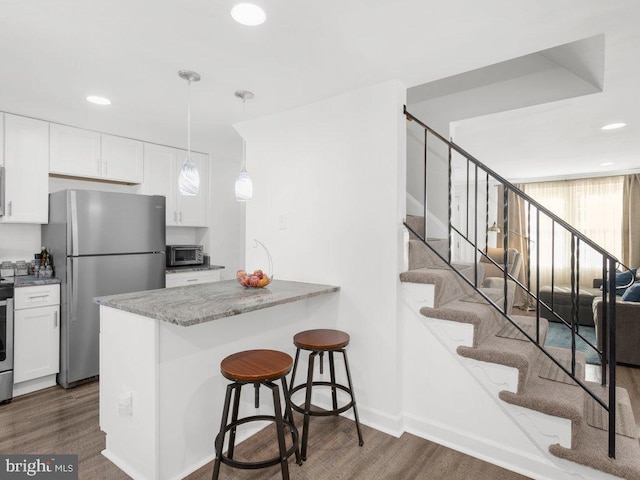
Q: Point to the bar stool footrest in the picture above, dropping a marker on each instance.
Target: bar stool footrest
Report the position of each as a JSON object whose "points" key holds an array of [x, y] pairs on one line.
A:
{"points": [[263, 463], [321, 413]]}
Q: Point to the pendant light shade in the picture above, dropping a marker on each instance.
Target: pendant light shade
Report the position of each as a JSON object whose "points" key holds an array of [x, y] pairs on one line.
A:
{"points": [[189, 178], [244, 184], [244, 187]]}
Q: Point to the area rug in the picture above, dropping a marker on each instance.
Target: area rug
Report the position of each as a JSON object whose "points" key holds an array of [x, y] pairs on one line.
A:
{"points": [[560, 336]]}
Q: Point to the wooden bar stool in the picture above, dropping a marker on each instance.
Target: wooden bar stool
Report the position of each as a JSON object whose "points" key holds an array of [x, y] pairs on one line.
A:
{"points": [[318, 342], [257, 367]]}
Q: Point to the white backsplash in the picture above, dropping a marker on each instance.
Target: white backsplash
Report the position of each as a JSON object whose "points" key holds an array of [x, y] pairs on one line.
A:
{"points": [[19, 241]]}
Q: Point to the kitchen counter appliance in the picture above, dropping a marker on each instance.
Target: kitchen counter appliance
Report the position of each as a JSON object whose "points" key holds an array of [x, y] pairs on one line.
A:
{"points": [[102, 243], [6, 340], [181, 255]]}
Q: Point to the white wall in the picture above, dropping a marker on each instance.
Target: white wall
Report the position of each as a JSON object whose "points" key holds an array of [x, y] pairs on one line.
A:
{"points": [[329, 194]]}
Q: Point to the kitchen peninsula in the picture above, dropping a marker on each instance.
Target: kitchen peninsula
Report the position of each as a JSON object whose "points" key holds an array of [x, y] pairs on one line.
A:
{"points": [[161, 391]]}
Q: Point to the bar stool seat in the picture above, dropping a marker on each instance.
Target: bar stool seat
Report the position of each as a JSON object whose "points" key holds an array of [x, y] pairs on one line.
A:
{"points": [[318, 342], [257, 367]]}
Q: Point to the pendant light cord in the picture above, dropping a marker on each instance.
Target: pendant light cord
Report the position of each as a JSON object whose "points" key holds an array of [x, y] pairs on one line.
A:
{"points": [[189, 121], [244, 143]]}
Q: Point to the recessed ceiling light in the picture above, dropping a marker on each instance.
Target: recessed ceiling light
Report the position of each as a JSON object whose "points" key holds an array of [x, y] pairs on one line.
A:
{"points": [[614, 126], [606, 164], [248, 14], [98, 100]]}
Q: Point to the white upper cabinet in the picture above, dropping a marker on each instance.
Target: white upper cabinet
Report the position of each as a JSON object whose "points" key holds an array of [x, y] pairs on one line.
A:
{"points": [[122, 159], [82, 153], [1, 139], [75, 151], [161, 169], [159, 173], [26, 162]]}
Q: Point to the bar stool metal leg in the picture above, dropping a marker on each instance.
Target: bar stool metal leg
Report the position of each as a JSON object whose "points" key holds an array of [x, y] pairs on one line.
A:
{"points": [[220, 439], [353, 397], [289, 416], [295, 368], [332, 371], [234, 418], [307, 406], [279, 429]]}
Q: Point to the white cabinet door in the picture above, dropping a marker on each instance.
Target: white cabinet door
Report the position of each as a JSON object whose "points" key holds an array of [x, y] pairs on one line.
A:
{"points": [[122, 159], [192, 209], [1, 139], [26, 161], [191, 278], [37, 343], [74, 152], [160, 177]]}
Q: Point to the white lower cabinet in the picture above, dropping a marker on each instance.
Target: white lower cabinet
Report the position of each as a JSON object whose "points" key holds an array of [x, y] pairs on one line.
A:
{"points": [[191, 278], [36, 339]]}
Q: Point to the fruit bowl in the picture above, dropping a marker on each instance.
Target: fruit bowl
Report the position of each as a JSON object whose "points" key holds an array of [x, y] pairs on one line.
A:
{"points": [[257, 279]]}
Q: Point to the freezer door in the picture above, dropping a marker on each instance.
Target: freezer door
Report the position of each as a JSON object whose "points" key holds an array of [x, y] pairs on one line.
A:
{"points": [[111, 223], [91, 277]]}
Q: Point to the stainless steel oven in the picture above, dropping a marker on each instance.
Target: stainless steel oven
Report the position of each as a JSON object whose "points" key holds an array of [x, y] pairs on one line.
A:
{"points": [[6, 342], [179, 255]]}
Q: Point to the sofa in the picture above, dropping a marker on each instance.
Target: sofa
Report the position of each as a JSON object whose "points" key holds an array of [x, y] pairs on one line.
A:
{"points": [[562, 302], [627, 329]]}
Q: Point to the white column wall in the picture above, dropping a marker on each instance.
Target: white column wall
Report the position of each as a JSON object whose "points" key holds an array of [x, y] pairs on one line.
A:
{"points": [[329, 187]]}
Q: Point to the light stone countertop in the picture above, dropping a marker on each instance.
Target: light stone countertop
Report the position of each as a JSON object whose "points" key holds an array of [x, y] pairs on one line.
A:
{"points": [[195, 304], [31, 281]]}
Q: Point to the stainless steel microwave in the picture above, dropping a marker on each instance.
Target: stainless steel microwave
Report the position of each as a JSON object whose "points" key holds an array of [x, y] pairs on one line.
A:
{"points": [[179, 255]]}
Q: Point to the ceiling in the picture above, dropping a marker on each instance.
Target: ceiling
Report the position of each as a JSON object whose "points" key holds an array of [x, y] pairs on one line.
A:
{"points": [[56, 52]]}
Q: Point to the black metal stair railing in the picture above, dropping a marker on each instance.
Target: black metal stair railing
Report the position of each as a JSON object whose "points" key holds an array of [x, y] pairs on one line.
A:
{"points": [[557, 231]]}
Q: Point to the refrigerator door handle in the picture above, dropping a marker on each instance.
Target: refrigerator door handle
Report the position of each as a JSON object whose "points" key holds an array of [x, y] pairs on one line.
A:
{"points": [[74, 223], [74, 291]]}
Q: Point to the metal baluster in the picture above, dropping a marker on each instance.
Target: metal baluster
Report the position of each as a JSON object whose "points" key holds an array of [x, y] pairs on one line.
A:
{"points": [[424, 233], [475, 233], [486, 230], [450, 231], [604, 322], [553, 261], [573, 305], [505, 242], [577, 285], [538, 274], [612, 358], [466, 213]]}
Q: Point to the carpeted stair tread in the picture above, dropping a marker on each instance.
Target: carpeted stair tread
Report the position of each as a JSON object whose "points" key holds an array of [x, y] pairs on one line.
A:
{"points": [[509, 351], [590, 445], [416, 223], [548, 395], [484, 318], [448, 285], [550, 371], [598, 417]]}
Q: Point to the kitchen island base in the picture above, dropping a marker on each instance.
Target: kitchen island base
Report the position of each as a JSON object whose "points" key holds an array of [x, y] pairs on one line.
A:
{"points": [[161, 390]]}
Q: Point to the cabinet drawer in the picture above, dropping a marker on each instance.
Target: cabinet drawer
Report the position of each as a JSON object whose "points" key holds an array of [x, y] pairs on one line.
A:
{"points": [[37, 296], [191, 278]]}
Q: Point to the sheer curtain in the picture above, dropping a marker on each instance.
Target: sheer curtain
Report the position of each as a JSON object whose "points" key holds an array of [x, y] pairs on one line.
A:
{"points": [[594, 207], [631, 221]]}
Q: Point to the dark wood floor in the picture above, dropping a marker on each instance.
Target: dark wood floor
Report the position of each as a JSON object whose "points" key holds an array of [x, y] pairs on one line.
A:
{"points": [[66, 421]]}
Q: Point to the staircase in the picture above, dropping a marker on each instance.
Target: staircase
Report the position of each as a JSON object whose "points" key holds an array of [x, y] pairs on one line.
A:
{"points": [[550, 382]]}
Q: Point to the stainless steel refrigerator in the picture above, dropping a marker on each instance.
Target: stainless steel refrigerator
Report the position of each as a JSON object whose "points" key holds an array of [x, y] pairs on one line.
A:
{"points": [[102, 244]]}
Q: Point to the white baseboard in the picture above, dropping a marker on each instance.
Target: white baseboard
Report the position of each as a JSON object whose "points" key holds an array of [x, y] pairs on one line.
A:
{"points": [[34, 385]]}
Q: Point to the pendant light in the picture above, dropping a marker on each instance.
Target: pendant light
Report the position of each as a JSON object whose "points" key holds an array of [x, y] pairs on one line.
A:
{"points": [[244, 185], [189, 178]]}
